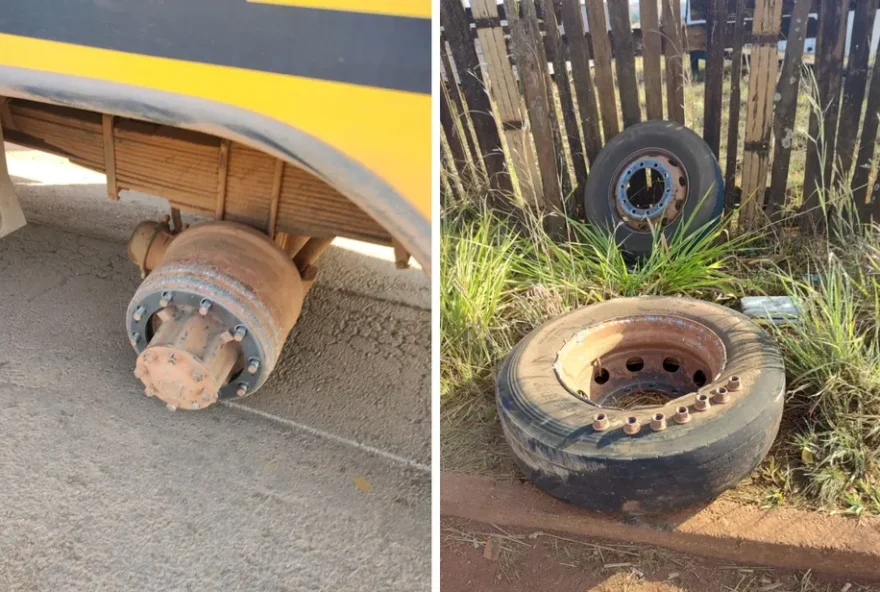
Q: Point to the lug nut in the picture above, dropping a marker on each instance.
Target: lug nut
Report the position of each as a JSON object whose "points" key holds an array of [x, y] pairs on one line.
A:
{"points": [[658, 422], [702, 402], [632, 425], [600, 422], [166, 298], [682, 415], [139, 313], [733, 383], [253, 366], [722, 395], [242, 389], [240, 332], [205, 306]]}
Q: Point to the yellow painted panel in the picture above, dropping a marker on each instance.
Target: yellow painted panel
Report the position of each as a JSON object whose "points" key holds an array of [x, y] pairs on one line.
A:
{"points": [[387, 131], [414, 8]]}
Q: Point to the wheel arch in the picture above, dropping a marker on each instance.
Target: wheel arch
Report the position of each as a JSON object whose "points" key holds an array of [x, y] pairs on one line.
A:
{"points": [[367, 190]]}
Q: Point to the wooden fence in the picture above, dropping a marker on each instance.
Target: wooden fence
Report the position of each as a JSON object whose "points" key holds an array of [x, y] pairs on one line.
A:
{"points": [[531, 90]]}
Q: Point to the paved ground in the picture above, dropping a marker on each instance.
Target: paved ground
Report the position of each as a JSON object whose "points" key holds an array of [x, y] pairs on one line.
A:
{"points": [[319, 481]]}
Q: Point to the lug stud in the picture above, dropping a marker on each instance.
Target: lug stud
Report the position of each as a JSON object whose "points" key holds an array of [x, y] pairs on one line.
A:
{"points": [[204, 306], [166, 298], [253, 366], [139, 313], [135, 338], [242, 389], [171, 407], [239, 333]]}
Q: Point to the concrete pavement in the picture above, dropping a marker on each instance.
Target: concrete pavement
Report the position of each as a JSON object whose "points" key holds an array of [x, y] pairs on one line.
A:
{"points": [[317, 482]]}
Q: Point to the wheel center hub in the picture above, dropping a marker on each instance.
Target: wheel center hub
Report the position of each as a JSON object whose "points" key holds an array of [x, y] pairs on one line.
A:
{"points": [[650, 189], [640, 361]]}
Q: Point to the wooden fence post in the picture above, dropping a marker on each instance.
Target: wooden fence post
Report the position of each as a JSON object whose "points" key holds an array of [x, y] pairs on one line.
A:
{"points": [[759, 108], [735, 98], [602, 63], [820, 155], [716, 23], [652, 47], [624, 58], [786, 106], [569, 117], [674, 51], [504, 90], [528, 49], [865, 154], [580, 73], [454, 21], [856, 81]]}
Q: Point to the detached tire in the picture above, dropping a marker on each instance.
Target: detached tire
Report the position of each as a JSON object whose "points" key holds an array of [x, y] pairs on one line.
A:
{"points": [[561, 395], [687, 184]]}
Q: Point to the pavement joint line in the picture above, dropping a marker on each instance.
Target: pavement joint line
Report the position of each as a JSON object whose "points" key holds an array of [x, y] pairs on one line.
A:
{"points": [[395, 458]]}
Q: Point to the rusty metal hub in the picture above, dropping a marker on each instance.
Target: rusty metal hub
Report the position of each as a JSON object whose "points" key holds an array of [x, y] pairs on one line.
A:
{"points": [[650, 189], [210, 320], [640, 362]]}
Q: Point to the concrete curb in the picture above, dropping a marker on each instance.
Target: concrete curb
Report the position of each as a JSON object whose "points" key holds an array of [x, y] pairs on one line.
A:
{"points": [[781, 537]]}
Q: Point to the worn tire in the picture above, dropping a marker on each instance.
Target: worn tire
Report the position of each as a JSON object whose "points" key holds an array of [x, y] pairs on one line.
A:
{"points": [[694, 155], [551, 435]]}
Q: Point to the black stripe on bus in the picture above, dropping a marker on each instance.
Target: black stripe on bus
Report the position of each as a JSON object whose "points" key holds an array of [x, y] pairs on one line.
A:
{"points": [[383, 51]]}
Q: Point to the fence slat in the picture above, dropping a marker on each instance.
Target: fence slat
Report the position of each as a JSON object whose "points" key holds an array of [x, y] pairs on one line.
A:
{"points": [[674, 51], [453, 93], [453, 138], [532, 68], [652, 47], [865, 154], [454, 21], [624, 58], [829, 63], [786, 107], [569, 117], [856, 81], [504, 90], [759, 108], [602, 63], [715, 23], [739, 28], [580, 73]]}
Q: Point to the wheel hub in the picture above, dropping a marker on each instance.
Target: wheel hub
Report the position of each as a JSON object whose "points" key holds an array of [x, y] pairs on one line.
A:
{"points": [[650, 190], [210, 321]]}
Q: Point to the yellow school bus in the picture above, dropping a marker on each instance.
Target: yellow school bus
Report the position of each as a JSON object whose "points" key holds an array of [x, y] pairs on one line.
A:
{"points": [[283, 123]]}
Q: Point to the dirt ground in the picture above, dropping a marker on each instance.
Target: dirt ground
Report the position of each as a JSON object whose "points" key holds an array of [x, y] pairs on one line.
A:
{"points": [[475, 557]]}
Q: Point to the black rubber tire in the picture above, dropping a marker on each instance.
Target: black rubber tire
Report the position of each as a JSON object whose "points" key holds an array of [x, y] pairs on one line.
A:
{"points": [[550, 430], [695, 156]]}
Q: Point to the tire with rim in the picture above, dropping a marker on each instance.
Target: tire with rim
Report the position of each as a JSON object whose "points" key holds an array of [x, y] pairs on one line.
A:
{"points": [[570, 373], [692, 188]]}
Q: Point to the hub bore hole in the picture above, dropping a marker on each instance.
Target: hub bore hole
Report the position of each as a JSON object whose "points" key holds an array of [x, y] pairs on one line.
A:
{"points": [[601, 376], [682, 181], [700, 378], [671, 364], [635, 364]]}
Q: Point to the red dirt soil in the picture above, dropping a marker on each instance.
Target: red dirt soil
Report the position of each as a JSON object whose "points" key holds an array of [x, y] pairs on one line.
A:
{"points": [[530, 562]]}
